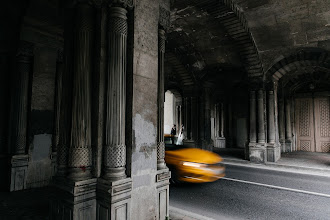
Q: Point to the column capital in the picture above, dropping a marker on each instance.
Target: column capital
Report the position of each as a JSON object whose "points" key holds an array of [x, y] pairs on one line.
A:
{"points": [[164, 18], [118, 20]]}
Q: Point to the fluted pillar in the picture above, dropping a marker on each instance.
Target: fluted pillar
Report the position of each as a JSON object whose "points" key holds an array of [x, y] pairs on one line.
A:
{"points": [[207, 114], [194, 119], [261, 118], [57, 109], [115, 148], [80, 154], [187, 124], [222, 118], [18, 117], [288, 131], [57, 101], [19, 100], [160, 130], [217, 122], [253, 120], [281, 120], [65, 106], [271, 118], [288, 134]]}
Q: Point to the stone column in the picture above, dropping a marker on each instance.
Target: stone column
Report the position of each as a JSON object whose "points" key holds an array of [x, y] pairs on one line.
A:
{"points": [[18, 116], [194, 119], [185, 118], [253, 120], [281, 121], [74, 194], [288, 120], [161, 92], [65, 110], [222, 118], [271, 118], [288, 133], [57, 108], [261, 118], [19, 99], [207, 115], [180, 117], [80, 153], [115, 148], [188, 118], [163, 174], [216, 122]]}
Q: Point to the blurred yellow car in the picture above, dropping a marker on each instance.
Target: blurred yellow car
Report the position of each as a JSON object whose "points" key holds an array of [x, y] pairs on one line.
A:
{"points": [[192, 165]]}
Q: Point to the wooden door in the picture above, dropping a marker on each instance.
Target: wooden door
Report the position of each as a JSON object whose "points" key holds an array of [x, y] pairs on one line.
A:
{"points": [[322, 124], [305, 124]]}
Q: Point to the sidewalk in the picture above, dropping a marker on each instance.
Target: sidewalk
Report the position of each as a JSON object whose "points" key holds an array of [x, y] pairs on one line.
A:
{"points": [[179, 214], [298, 162]]}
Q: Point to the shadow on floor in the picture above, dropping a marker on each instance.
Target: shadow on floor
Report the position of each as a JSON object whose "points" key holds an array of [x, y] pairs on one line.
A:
{"points": [[30, 204]]}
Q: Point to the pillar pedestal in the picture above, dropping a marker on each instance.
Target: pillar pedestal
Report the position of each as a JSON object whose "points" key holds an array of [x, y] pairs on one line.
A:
{"points": [[75, 200], [257, 153], [162, 184], [114, 199], [220, 142], [18, 172], [273, 152]]}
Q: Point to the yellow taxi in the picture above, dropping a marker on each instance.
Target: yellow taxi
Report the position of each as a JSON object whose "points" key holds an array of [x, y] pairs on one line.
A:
{"points": [[192, 165]]}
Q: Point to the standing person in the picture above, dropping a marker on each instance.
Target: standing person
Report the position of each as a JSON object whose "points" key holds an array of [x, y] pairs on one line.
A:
{"points": [[173, 133], [180, 136]]}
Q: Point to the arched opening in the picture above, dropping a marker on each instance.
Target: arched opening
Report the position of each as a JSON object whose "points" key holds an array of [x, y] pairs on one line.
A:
{"points": [[173, 113], [304, 102]]}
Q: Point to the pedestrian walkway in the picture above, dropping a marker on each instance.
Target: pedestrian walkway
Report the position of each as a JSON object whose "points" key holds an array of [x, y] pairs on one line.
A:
{"points": [[299, 161]]}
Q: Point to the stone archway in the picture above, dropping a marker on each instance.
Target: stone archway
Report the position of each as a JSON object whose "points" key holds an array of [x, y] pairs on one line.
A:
{"points": [[273, 127], [303, 101]]}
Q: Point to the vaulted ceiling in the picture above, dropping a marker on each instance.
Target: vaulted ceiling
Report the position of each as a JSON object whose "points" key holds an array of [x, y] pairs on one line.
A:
{"points": [[208, 41]]}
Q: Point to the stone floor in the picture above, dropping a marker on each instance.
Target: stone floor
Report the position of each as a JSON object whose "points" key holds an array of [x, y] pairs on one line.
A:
{"points": [[33, 204]]}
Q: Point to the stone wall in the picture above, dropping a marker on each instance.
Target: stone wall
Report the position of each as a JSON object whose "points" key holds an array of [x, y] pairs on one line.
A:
{"points": [[41, 102], [144, 113]]}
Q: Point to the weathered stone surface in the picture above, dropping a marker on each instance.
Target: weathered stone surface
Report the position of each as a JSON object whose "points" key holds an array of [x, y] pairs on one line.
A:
{"points": [[144, 114]]}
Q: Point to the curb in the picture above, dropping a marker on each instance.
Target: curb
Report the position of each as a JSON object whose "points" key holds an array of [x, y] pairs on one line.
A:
{"points": [[178, 214], [279, 167]]}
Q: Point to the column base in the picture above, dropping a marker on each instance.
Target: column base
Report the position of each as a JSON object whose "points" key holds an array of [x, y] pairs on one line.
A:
{"points": [[273, 152], [257, 153], [79, 173], [288, 146], [114, 174], [18, 172], [162, 184], [75, 200], [161, 164], [114, 199], [220, 142]]}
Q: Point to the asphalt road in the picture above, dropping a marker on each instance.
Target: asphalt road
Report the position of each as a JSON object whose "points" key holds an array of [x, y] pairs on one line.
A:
{"points": [[250, 193]]}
